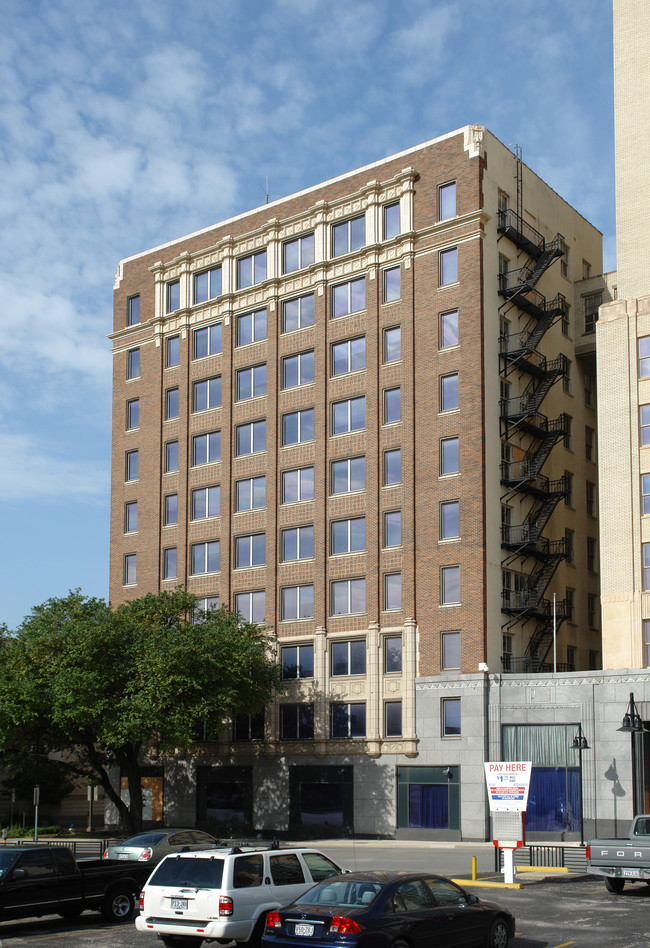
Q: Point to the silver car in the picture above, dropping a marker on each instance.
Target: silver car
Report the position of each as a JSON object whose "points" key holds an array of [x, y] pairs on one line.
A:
{"points": [[151, 846]]}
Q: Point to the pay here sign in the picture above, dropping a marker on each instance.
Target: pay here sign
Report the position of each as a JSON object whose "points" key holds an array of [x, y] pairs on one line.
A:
{"points": [[507, 784]]}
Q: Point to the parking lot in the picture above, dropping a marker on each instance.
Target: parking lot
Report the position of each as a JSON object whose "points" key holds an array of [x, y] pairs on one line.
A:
{"points": [[549, 915]]}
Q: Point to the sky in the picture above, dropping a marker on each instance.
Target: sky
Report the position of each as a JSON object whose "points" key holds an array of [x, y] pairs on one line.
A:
{"points": [[125, 124]]}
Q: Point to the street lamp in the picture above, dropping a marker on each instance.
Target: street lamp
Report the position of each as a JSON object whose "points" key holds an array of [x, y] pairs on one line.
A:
{"points": [[580, 744], [633, 725]]}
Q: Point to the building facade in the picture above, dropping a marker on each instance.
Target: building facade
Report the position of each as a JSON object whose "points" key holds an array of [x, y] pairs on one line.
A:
{"points": [[364, 416]]}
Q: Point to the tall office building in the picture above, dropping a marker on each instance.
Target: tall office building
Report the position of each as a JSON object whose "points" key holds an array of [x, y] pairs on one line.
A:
{"points": [[364, 416]]}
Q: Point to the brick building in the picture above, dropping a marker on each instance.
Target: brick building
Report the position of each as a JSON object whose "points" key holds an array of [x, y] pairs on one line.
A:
{"points": [[364, 416]]}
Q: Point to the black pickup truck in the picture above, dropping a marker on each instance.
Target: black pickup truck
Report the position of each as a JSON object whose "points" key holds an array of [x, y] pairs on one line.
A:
{"points": [[44, 880]]}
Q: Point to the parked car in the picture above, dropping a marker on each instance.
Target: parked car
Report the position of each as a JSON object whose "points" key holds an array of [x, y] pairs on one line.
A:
{"points": [[47, 880], [388, 910], [153, 845], [622, 860], [225, 894]]}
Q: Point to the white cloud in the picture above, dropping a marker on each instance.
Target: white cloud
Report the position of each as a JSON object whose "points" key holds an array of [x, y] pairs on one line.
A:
{"points": [[33, 470]]}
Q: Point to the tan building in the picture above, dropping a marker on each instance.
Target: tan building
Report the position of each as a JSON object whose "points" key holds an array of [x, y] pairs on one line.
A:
{"points": [[364, 415], [624, 361]]}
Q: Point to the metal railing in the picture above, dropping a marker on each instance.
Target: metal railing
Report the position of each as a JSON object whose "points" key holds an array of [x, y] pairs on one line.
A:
{"points": [[547, 857]]}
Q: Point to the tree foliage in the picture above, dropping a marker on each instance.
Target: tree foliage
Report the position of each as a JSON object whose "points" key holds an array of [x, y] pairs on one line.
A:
{"points": [[107, 684]]}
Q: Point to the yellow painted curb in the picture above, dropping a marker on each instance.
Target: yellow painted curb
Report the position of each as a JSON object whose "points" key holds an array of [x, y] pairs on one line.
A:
{"points": [[542, 869], [471, 883]]}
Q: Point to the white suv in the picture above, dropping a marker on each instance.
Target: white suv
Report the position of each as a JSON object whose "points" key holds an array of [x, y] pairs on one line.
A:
{"points": [[224, 894]]}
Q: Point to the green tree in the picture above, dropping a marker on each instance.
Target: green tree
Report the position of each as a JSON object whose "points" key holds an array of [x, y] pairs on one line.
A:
{"points": [[105, 685]]}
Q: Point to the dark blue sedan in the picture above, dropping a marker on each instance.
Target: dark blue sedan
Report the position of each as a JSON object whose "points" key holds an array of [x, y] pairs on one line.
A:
{"points": [[389, 910]]}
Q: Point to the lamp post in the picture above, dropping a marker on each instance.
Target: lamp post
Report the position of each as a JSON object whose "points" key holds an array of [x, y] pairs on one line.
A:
{"points": [[633, 725], [448, 773], [580, 744]]}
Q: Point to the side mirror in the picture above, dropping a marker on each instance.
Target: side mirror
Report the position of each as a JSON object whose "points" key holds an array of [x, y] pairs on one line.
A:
{"points": [[19, 874], [473, 899]]}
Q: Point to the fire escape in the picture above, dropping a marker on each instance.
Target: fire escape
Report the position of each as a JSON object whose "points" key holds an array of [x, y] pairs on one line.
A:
{"points": [[524, 425]]}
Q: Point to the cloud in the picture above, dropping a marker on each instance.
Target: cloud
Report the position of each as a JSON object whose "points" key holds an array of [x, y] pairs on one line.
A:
{"points": [[30, 470]]}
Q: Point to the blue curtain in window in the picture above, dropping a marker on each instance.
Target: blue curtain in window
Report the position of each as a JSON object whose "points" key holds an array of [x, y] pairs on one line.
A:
{"points": [[428, 806], [554, 800]]}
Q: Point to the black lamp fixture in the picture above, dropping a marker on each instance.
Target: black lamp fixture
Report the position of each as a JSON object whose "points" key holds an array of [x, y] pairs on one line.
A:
{"points": [[634, 726], [632, 722], [580, 744]]}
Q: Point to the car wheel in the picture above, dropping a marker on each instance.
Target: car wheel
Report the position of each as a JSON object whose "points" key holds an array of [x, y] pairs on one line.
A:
{"points": [[180, 941], [118, 905], [613, 884], [498, 936], [400, 944]]}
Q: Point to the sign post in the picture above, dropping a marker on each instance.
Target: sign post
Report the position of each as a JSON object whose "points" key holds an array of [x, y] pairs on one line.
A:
{"points": [[507, 785]]}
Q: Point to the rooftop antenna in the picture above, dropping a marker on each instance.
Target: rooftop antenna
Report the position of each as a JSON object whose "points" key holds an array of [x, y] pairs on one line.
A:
{"points": [[267, 189]]}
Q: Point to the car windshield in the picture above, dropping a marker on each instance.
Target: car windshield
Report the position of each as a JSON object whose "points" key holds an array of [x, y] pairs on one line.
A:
{"points": [[357, 892], [193, 873], [143, 839], [6, 860]]}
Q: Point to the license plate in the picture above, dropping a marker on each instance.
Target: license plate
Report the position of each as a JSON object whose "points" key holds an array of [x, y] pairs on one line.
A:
{"points": [[178, 903], [303, 929], [631, 873], [122, 855]]}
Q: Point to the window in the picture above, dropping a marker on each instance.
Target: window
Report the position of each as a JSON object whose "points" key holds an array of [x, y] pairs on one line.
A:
{"points": [[450, 650], [448, 266], [130, 569], [645, 424], [298, 253], [591, 499], [132, 413], [566, 378], [391, 221], [298, 369], [568, 480], [393, 718], [251, 438], [347, 720], [449, 392], [169, 563], [392, 654], [172, 351], [646, 566], [393, 344], [393, 528], [171, 457], [589, 443], [298, 313], [392, 467], [251, 327], [348, 536], [133, 311], [449, 460], [173, 296], [207, 341], [297, 543], [644, 357], [207, 285], [298, 426], [348, 236], [171, 403], [297, 662], [133, 364], [591, 305], [646, 641], [349, 356], [170, 510], [448, 330], [450, 585], [206, 394], [203, 606], [251, 269], [586, 270], [589, 389], [348, 597], [450, 717], [348, 658], [564, 261], [392, 289], [392, 406], [569, 545], [250, 493], [206, 448], [392, 591], [131, 517], [645, 492], [450, 520], [206, 502], [566, 321], [348, 475], [296, 723], [350, 415], [248, 869], [205, 557], [297, 602], [251, 382], [348, 297], [250, 551], [251, 606], [568, 433], [569, 597], [447, 201], [591, 554], [131, 466], [297, 485], [591, 611]]}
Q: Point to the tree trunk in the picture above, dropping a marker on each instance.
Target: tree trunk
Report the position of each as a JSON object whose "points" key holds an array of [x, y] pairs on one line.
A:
{"points": [[129, 822]]}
